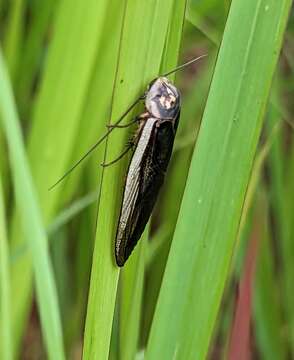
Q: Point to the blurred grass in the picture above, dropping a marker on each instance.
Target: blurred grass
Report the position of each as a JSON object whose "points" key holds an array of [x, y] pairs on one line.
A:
{"points": [[281, 199], [69, 79], [32, 58], [57, 109], [268, 314], [31, 221], [5, 299], [13, 38]]}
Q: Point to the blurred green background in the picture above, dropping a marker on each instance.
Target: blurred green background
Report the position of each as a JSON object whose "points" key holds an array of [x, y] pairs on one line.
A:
{"points": [[212, 276]]}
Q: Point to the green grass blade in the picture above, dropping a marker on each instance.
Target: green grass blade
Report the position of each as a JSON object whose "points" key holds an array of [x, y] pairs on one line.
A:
{"points": [[32, 52], [55, 124], [171, 195], [31, 221], [267, 310], [281, 196], [132, 280], [59, 221], [132, 275], [11, 47], [140, 55], [210, 213], [71, 212], [5, 312], [174, 37], [287, 249], [202, 24], [96, 107], [14, 35]]}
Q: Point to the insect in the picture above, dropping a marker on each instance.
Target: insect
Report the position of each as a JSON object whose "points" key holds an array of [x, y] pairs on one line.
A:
{"points": [[152, 145]]}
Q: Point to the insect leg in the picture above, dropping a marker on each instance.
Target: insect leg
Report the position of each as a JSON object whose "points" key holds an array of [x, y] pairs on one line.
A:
{"points": [[120, 156], [137, 119], [93, 147], [133, 141], [125, 125]]}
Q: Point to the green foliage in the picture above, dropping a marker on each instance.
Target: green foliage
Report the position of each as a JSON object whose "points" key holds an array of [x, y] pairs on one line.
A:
{"points": [[212, 204], [5, 313], [31, 222], [68, 69]]}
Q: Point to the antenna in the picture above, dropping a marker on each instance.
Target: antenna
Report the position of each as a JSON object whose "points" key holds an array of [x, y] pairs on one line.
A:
{"points": [[180, 67], [93, 147]]}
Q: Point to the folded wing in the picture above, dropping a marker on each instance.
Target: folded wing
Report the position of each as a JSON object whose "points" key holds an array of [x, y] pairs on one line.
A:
{"points": [[145, 177]]}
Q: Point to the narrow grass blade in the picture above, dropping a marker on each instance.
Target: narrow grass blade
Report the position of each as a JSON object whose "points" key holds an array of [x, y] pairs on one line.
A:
{"points": [[174, 36], [281, 191], [11, 47], [141, 48], [71, 211], [132, 275], [171, 195], [32, 51], [58, 222], [211, 208], [55, 124], [13, 39], [4, 168], [96, 107], [132, 280], [240, 334], [31, 221], [202, 24], [287, 258], [5, 300], [268, 322]]}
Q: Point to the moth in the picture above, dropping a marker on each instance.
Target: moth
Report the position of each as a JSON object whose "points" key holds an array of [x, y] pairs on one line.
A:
{"points": [[152, 145]]}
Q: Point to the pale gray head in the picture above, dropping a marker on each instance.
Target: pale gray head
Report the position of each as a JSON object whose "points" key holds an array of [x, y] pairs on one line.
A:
{"points": [[163, 99]]}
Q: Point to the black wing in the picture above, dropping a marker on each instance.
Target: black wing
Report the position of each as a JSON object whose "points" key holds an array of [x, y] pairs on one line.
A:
{"points": [[144, 180]]}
